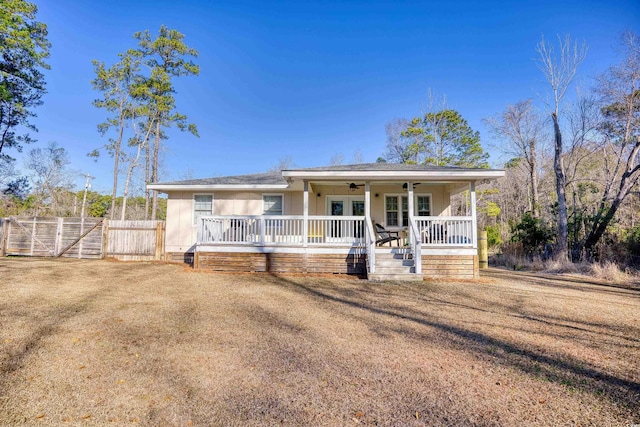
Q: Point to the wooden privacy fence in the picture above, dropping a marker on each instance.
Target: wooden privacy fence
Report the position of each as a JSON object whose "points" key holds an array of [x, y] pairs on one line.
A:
{"points": [[134, 240], [82, 238]]}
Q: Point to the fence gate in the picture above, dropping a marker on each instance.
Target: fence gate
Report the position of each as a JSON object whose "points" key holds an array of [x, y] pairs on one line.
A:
{"points": [[55, 237]]}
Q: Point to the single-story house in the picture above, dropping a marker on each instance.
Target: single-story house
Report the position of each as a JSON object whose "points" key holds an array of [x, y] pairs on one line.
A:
{"points": [[381, 220]]}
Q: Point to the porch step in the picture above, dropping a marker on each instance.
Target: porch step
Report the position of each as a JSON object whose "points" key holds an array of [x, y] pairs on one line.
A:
{"points": [[394, 264], [406, 277], [396, 269]]}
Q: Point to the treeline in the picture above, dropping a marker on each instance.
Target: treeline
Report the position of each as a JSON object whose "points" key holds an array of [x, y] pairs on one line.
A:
{"points": [[67, 203], [571, 186]]}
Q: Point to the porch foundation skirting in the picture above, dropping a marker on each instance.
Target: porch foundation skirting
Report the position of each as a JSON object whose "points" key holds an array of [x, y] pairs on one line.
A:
{"points": [[283, 260], [450, 266], [436, 263]]}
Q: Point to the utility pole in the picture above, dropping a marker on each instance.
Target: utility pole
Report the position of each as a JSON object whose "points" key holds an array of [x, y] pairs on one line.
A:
{"points": [[87, 185]]}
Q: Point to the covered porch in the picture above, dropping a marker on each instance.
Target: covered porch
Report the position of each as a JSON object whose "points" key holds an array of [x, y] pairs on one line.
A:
{"points": [[386, 225]]}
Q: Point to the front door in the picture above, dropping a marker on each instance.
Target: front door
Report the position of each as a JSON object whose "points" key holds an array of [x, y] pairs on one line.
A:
{"points": [[344, 206]]}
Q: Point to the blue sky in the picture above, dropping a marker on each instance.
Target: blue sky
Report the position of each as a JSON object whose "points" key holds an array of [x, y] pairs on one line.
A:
{"points": [[311, 80]]}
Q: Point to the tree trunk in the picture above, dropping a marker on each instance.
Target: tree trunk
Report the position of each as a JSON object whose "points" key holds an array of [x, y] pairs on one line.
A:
{"points": [[535, 199], [154, 171], [125, 194], [116, 163], [147, 194], [600, 226], [604, 216], [561, 180]]}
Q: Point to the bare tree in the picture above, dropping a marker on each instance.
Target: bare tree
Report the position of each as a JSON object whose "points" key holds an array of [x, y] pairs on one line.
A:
{"points": [[559, 68], [337, 159], [284, 163], [619, 89], [51, 178], [521, 127], [357, 157], [397, 150]]}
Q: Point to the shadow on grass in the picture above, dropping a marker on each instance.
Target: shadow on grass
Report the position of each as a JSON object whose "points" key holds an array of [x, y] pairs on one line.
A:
{"points": [[563, 282], [572, 374], [46, 325]]}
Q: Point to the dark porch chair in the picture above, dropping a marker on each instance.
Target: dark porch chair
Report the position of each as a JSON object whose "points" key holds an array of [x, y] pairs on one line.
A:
{"points": [[385, 236]]}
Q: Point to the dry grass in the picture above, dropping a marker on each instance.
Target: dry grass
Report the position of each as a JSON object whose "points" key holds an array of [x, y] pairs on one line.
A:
{"points": [[106, 343], [610, 272]]}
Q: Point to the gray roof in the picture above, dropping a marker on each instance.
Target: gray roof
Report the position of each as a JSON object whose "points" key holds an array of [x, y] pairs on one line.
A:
{"points": [[268, 178], [376, 167], [276, 178]]}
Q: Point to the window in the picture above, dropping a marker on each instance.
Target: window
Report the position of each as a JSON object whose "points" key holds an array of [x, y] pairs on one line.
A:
{"points": [[397, 205], [272, 204], [202, 206], [423, 205], [393, 212]]}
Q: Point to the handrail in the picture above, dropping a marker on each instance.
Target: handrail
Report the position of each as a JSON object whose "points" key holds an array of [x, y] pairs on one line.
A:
{"points": [[371, 246], [416, 243]]}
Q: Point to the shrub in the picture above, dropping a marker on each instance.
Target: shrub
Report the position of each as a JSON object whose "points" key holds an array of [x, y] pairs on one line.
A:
{"points": [[493, 235], [533, 235]]}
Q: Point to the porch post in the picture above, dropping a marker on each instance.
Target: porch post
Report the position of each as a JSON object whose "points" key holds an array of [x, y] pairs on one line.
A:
{"points": [[474, 218], [305, 213], [367, 201], [410, 208]]}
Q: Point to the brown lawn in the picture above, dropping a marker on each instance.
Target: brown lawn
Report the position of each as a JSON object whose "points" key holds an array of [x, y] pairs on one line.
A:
{"points": [[109, 343]]}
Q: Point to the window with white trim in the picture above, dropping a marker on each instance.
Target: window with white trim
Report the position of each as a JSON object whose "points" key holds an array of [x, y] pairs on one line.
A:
{"points": [[202, 206], [272, 204], [397, 205], [423, 205]]}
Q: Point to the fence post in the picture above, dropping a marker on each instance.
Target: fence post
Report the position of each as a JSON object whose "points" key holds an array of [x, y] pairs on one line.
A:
{"points": [[58, 244], [105, 238], [4, 232], [159, 242]]}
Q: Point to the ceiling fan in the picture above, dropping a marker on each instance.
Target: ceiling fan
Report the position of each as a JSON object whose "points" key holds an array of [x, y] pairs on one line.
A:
{"points": [[353, 186], [404, 186]]}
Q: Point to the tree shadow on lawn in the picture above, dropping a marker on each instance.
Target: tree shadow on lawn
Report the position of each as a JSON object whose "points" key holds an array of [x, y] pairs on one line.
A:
{"points": [[519, 311], [571, 373], [563, 282], [46, 324]]}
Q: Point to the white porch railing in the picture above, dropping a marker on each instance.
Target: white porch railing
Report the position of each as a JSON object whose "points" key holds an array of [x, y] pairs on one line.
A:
{"points": [[281, 230], [445, 230]]}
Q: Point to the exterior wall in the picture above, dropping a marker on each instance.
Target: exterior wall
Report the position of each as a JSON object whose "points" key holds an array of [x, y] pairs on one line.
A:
{"points": [[182, 233]]}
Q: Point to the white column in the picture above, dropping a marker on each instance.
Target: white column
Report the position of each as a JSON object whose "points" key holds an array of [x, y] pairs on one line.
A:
{"points": [[411, 209], [474, 219], [410, 199], [305, 213], [367, 201]]}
